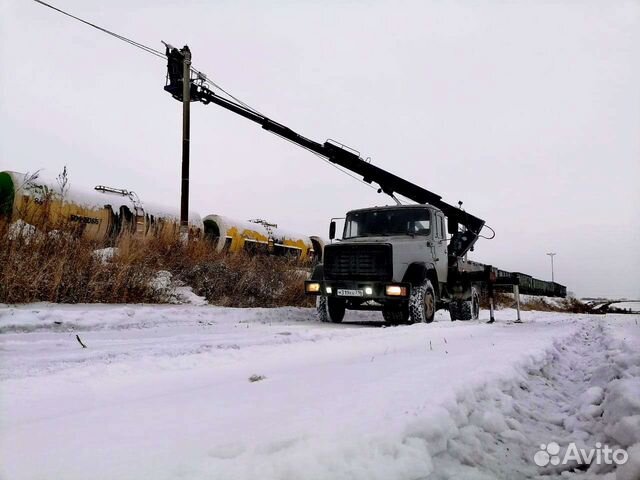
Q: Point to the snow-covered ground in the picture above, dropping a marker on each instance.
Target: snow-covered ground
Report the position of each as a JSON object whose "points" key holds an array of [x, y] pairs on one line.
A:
{"points": [[164, 392]]}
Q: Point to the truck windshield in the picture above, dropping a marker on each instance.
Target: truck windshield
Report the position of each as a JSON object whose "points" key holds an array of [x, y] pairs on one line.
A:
{"points": [[401, 221]]}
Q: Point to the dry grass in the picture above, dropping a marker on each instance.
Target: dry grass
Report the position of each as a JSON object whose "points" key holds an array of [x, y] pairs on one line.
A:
{"points": [[248, 281], [61, 266], [569, 305], [540, 304]]}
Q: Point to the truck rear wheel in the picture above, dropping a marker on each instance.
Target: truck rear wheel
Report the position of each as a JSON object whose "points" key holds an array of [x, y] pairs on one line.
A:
{"points": [[454, 310], [422, 303], [330, 309], [475, 303], [466, 310]]}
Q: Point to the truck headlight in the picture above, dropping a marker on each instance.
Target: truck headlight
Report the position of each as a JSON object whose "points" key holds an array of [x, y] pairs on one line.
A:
{"points": [[368, 290], [312, 287], [396, 291], [328, 290]]}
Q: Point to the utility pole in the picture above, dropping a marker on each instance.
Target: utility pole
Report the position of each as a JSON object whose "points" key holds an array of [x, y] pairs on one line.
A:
{"points": [[551, 255], [186, 113]]}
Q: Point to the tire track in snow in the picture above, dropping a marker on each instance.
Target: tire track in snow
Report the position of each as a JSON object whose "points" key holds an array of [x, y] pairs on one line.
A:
{"points": [[494, 432]]}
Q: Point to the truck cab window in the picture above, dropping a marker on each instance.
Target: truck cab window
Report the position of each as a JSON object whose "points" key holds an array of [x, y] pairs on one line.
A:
{"points": [[440, 233], [350, 229], [400, 221]]}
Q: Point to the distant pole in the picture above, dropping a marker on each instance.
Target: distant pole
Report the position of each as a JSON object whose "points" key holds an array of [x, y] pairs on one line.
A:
{"points": [[551, 255], [186, 103]]}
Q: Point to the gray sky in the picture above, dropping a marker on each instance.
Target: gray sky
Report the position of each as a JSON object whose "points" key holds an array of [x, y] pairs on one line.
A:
{"points": [[529, 112]]}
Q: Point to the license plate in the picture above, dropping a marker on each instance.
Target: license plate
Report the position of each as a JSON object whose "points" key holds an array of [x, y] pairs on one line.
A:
{"points": [[350, 293]]}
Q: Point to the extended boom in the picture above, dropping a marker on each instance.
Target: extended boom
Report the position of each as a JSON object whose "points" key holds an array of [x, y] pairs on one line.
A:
{"points": [[461, 242]]}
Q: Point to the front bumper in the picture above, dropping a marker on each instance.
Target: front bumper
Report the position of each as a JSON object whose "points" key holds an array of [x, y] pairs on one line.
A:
{"points": [[358, 290]]}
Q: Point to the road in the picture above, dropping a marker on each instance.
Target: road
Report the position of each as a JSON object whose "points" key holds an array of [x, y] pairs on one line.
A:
{"points": [[166, 392]]}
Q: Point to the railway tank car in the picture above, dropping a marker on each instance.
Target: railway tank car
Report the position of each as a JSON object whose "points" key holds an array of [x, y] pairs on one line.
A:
{"points": [[231, 235], [103, 213], [97, 214], [533, 286]]}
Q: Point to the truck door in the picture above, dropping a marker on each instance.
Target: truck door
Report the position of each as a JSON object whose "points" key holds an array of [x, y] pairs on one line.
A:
{"points": [[440, 247]]}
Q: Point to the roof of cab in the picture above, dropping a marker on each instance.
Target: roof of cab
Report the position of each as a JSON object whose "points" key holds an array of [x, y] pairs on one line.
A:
{"points": [[396, 207]]}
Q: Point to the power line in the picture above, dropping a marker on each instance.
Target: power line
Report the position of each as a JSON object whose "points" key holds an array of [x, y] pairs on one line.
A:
{"points": [[198, 74], [206, 79], [147, 49], [141, 46]]}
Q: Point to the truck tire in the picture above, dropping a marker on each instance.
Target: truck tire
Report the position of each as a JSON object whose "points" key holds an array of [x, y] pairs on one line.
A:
{"points": [[466, 310], [454, 310], [475, 303], [422, 303], [330, 310], [395, 317]]}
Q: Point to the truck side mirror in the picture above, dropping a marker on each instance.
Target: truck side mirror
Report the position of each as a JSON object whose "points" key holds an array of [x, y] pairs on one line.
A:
{"points": [[332, 230]]}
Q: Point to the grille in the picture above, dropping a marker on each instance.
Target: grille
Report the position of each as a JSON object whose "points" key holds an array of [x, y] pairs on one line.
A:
{"points": [[358, 262]]}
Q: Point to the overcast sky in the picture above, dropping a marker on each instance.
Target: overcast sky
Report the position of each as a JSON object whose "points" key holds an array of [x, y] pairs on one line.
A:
{"points": [[529, 112]]}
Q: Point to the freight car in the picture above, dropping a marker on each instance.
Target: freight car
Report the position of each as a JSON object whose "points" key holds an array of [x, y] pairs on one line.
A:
{"points": [[104, 213], [504, 280], [259, 236], [529, 285], [98, 214]]}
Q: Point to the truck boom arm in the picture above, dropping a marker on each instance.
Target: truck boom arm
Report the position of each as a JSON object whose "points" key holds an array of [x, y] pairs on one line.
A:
{"points": [[388, 183]]}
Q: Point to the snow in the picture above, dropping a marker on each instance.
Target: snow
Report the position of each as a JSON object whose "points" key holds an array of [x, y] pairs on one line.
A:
{"points": [[631, 306], [173, 291], [105, 255], [186, 295], [202, 392], [551, 301], [22, 229]]}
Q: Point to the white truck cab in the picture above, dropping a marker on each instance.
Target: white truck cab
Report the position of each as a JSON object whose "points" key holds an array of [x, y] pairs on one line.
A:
{"points": [[394, 259]]}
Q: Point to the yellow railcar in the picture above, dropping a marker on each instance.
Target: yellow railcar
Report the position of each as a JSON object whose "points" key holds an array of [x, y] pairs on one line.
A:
{"points": [[104, 213], [259, 236], [96, 214]]}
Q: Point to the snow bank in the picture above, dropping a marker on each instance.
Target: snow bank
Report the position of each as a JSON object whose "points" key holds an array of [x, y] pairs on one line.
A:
{"points": [[380, 457], [587, 391], [172, 291]]}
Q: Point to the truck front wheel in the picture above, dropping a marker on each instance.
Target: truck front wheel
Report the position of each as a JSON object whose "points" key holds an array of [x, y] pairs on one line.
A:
{"points": [[330, 309], [422, 304]]}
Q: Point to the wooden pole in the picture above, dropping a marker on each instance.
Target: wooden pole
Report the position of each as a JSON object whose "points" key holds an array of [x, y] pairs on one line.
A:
{"points": [[186, 114]]}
